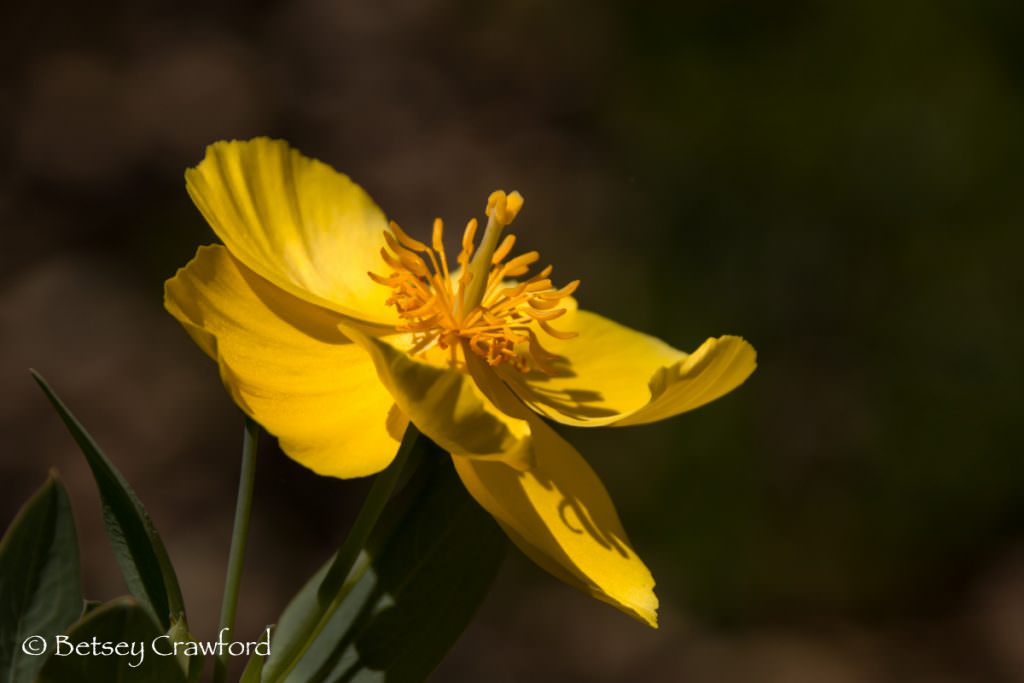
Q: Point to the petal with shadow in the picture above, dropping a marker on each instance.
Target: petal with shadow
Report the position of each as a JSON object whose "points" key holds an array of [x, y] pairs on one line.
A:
{"points": [[286, 364], [612, 375], [559, 513], [443, 402]]}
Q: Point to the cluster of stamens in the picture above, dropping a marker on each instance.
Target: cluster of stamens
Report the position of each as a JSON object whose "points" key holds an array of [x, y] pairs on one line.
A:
{"points": [[483, 307]]}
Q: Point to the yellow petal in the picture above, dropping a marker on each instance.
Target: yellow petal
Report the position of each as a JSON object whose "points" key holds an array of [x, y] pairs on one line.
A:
{"points": [[559, 514], [612, 375], [286, 364], [717, 367], [295, 221], [444, 403]]}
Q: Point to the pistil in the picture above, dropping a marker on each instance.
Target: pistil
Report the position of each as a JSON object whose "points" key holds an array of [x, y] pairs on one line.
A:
{"points": [[501, 210]]}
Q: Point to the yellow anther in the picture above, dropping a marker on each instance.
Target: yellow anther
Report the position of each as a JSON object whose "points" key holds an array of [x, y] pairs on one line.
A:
{"points": [[407, 242], [520, 265], [503, 249], [468, 235], [438, 244]]}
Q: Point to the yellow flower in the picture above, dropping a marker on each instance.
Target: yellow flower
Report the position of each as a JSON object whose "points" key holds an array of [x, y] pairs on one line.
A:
{"points": [[333, 329]]}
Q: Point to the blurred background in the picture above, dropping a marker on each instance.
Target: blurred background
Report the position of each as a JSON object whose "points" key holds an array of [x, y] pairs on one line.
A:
{"points": [[837, 182]]}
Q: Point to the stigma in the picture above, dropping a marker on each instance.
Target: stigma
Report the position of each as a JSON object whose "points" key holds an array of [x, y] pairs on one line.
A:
{"points": [[485, 303]]}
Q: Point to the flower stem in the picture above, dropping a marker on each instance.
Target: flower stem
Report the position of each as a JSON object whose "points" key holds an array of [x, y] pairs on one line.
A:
{"points": [[347, 569], [239, 537]]}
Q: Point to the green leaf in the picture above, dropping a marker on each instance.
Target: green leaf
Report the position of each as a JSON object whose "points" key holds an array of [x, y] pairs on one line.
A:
{"points": [[191, 665], [145, 657], [420, 587], [324, 594], [139, 551], [253, 670], [40, 581]]}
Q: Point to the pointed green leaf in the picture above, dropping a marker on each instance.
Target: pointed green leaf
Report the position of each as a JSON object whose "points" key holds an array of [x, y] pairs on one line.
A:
{"points": [[140, 553], [40, 581], [81, 656], [191, 665], [253, 670], [417, 593]]}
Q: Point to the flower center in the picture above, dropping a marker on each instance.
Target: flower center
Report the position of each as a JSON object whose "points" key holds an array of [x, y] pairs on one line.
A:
{"points": [[483, 307]]}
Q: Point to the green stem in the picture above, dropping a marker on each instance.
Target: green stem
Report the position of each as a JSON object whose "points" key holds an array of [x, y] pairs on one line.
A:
{"points": [[346, 570], [239, 537]]}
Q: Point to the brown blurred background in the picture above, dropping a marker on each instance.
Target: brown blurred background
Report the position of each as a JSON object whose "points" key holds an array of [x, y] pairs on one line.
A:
{"points": [[838, 182]]}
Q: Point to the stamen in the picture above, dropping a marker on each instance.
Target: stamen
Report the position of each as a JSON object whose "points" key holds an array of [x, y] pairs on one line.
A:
{"points": [[406, 241], [503, 249], [545, 315], [438, 243], [520, 264], [467, 238], [482, 312]]}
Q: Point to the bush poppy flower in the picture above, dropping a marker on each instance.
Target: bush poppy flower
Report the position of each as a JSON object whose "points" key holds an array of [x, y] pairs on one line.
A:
{"points": [[333, 329]]}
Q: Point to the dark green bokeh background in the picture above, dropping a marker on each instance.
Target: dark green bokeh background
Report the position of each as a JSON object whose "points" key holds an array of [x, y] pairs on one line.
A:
{"points": [[837, 182]]}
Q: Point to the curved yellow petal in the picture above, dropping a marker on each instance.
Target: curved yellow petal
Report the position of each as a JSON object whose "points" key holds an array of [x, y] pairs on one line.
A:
{"points": [[612, 375], [444, 403], [295, 221], [559, 513], [718, 366], [286, 364]]}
